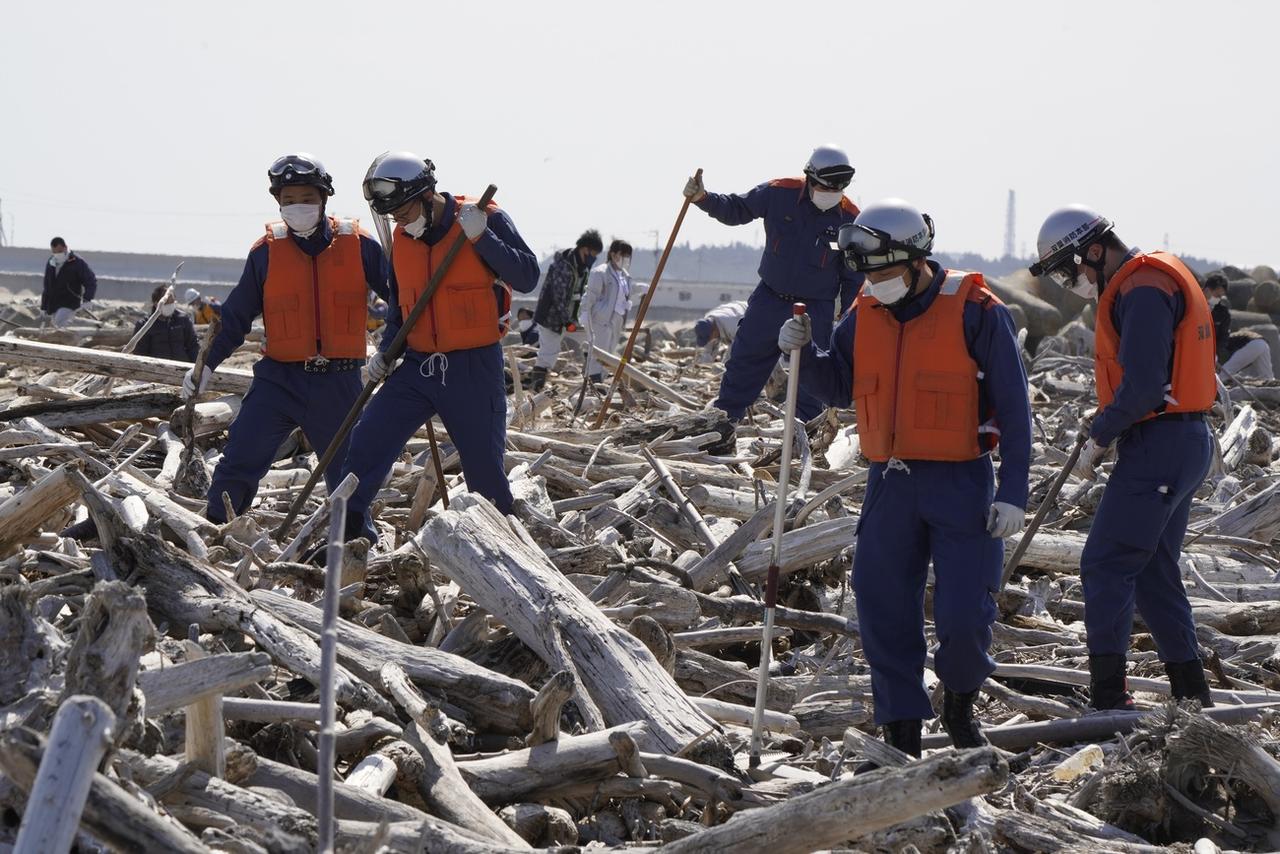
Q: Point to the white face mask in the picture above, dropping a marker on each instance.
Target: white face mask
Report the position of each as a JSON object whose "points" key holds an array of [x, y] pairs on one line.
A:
{"points": [[59, 258], [302, 219], [825, 200], [1214, 301], [1084, 288], [623, 262], [167, 309], [418, 227], [526, 324], [889, 291]]}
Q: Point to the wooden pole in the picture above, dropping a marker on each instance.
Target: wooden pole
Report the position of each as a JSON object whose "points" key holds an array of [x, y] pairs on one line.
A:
{"points": [[1049, 498], [80, 736], [779, 523], [644, 307], [328, 666], [394, 349], [439, 467]]}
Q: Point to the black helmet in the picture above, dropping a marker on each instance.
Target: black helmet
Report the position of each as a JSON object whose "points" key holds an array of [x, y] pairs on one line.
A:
{"points": [[396, 177], [299, 169]]}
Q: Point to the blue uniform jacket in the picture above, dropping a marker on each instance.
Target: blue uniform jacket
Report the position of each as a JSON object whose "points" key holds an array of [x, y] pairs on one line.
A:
{"points": [[993, 344], [501, 247], [800, 258], [244, 303], [1145, 318]]}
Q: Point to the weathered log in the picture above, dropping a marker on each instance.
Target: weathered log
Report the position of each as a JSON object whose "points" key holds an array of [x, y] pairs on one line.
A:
{"points": [[742, 608], [25, 512], [1257, 518], [801, 548], [541, 825], [103, 661], [95, 410], [181, 590], [494, 702], [722, 637], [712, 568], [31, 649], [641, 378], [853, 807], [181, 684], [1096, 726], [268, 711], [205, 729], [681, 425], [123, 365], [111, 814], [735, 713], [722, 501], [210, 416], [80, 736], [373, 774], [522, 774], [547, 706], [497, 564]]}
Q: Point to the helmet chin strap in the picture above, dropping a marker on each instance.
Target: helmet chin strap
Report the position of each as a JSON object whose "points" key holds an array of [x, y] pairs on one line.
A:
{"points": [[1097, 267]]}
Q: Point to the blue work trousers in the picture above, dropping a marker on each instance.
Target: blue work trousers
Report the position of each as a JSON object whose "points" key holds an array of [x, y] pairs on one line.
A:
{"points": [[934, 510], [1131, 556], [755, 352], [282, 397], [467, 389]]}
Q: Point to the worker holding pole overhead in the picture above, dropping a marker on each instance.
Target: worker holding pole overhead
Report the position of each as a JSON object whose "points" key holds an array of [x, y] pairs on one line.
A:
{"points": [[800, 264], [453, 362], [929, 358], [1154, 371]]}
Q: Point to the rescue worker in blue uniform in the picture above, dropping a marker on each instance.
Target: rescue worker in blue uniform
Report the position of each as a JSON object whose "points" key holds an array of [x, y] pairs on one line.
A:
{"points": [[929, 357], [308, 278], [1154, 372], [453, 362], [800, 263]]}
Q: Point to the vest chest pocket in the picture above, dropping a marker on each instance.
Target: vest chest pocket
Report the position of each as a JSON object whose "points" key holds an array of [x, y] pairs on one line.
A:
{"points": [[349, 311], [945, 401], [471, 307], [864, 388], [281, 316]]}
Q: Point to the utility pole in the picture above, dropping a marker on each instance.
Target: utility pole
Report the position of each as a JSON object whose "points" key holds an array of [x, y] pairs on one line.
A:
{"points": [[1009, 219], [3, 240]]}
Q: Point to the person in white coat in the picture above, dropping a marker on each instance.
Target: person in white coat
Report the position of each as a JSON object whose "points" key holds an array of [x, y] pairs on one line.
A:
{"points": [[719, 325], [605, 303]]}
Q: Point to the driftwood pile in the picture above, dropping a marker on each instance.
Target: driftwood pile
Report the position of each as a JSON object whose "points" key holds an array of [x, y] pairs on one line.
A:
{"points": [[580, 673]]}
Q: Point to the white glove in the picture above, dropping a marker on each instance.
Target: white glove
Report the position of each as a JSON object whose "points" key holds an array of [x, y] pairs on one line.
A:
{"points": [[473, 221], [1091, 456], [189, 389], [795, 333], [1005, 520], [87, 305], [693, 189], [379, 367]]}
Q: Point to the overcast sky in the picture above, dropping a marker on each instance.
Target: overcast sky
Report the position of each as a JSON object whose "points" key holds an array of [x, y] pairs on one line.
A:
{"points": [[147, 126]]}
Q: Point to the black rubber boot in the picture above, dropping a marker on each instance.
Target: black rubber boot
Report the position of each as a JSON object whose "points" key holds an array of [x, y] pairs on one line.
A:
{"points": [[1108, 688], [904, 735], [1186, 679], [536, 380], [596, 379], [957, 719]]}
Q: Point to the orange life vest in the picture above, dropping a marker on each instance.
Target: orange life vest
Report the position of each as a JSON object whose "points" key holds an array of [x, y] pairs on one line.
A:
{"points": [[1192, 382], [314, 306], [915, 386], [463, 312]]}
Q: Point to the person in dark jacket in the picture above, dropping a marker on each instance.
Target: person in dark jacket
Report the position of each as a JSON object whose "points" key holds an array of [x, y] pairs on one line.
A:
{"points": [[560, 302], [1243, 353], [69, 284], [172, 336]]}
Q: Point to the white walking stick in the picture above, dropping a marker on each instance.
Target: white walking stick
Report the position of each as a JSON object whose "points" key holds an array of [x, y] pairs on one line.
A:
{"points": [[779, 520]]}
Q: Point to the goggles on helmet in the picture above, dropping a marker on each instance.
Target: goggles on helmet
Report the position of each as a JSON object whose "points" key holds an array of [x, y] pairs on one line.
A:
{"points": [[1064, 275], [833, 182], [868, 249], [380, 189], [293, 164]]}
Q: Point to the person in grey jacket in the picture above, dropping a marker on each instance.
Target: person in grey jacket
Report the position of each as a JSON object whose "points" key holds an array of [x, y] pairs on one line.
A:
{"points": [[609, 295]]}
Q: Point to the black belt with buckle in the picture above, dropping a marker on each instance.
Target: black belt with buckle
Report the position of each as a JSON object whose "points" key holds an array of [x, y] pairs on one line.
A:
{"points": [[1181, 416], [321, 365], [788, 297]]}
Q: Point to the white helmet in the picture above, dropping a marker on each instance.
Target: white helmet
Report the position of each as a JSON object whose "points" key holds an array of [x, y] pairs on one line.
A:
{"points": [[190, 296], [886, 233], [1064, 237], [829, 166]]}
